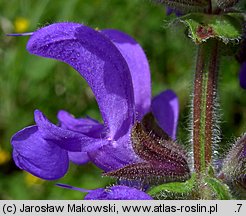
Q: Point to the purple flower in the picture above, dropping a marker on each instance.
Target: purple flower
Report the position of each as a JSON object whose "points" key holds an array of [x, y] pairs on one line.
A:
{"points": [[241, 58], [115, 67], [118, 192], [169, 11], [242, 75]]}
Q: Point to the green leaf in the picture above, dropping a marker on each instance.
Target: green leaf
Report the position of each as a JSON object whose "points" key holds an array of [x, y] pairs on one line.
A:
{"points": [[220, 190], [174, 190], [228, 28]]}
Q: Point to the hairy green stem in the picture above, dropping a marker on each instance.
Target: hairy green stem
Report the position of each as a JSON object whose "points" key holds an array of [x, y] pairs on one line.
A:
{"points": [[204, 99]]}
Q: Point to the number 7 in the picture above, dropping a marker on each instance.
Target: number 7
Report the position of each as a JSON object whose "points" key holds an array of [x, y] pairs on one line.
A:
{"points": [[239, 207]]}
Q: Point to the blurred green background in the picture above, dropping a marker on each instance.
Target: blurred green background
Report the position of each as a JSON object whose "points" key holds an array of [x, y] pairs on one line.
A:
{"points": [[29, 82]]}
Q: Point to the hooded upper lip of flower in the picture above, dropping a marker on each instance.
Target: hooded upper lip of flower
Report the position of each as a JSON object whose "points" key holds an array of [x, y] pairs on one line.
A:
{"points": [[116, 68]]}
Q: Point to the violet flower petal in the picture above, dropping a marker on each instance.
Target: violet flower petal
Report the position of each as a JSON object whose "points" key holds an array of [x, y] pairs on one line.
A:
{"points": [[117, 193], [242, 75], [79, 157], [169, 11], [115, 155], [66, 139], [40, 157], [99, 61], [87, 126], [139, 68], [165, 108]]}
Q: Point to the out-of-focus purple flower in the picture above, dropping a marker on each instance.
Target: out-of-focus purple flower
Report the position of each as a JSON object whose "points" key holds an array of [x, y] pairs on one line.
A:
{"points": [[118, 192], [242, 75], [181, 7], [169, 11], [115, 67], [241, 57]]}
